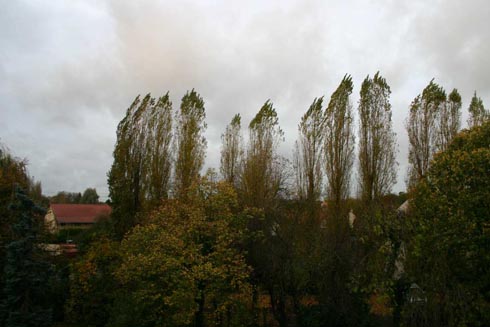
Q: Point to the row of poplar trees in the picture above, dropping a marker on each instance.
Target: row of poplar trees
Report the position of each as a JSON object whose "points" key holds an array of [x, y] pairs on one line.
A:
{"points": [[160, 153]]}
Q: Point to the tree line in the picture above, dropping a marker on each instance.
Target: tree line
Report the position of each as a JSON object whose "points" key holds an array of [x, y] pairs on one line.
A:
{"points": [[89, 196], [157, 162], [257, 244], [160, 153]]}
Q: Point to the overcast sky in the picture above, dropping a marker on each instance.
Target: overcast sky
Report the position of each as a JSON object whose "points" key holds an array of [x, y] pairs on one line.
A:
{"points": [[69, 69]]}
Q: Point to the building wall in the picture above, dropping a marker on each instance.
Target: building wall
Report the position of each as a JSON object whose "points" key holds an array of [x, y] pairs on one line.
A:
{"points": [[50, 222], [74, 226]]}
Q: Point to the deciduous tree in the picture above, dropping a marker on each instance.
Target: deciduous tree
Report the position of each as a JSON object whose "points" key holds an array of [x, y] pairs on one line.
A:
{"points": [[448, 255], [191, 144], [423, 131], [262, 176], [90, 196], [449, 120], [92, 284], [124, 178], [182, 267], [339, 142], [158, 152], [140, 173], [66, 197], [232, 151], [478, 113], [377, 143], [308, 153]]}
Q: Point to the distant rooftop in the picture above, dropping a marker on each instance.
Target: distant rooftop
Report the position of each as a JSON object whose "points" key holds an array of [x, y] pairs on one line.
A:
{"points": [[79, 213]]}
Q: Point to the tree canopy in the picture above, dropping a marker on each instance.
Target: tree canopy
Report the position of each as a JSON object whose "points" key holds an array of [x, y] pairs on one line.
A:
{"points": [[140, 174], [449, 256]]}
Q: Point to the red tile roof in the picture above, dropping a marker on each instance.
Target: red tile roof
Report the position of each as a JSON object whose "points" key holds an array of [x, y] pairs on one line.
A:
{"points": [[79, 213]]}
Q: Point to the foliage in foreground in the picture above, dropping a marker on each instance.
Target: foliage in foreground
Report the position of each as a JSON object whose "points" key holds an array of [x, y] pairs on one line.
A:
{"points": [[450, 254], [26, 301], [181, 267]]}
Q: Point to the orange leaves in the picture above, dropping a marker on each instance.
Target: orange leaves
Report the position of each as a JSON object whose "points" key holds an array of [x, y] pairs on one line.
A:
{"points": [[380, 304]]}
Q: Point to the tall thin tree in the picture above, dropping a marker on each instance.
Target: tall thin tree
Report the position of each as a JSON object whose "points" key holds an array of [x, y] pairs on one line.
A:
{"points": [[422, 128], [478, 113], [232, 151], [191, 143], [140, 173], [262, 176], [339, 142], [377, 143], [158, 152], [449, 120], [124, 176], [308, 153]]}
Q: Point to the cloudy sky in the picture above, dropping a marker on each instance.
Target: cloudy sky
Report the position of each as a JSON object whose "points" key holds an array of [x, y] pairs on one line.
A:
{"points": [[69, 69]]}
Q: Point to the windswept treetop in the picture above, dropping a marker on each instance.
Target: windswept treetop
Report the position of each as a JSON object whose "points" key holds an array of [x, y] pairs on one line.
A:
{"points": [[262, 177], [339, 142], [308, 152], [140, 174], [422, 129], [377, 143], [191, 144], [478, 113], [264, 127]]}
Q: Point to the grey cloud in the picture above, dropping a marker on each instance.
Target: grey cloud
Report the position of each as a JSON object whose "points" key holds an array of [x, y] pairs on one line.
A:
{"points": [[69, 70], [453, 38]]}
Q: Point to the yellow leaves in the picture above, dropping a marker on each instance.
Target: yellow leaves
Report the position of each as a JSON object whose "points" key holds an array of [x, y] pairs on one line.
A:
{"points": [[86, 270], [186, 249], [380, 304]]}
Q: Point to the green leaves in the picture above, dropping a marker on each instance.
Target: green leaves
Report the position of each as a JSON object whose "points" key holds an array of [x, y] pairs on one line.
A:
{"points": [[478, 113], [184, 260], [191, 144], [262, 176], [450, 211], [377, 141], [433, 122], [339, 141], [140, 174], [232, 152], [308, 153]]}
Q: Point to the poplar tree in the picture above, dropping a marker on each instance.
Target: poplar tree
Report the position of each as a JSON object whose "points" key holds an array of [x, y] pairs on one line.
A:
{"points": [[140, 173], [231, 151], [423, 131], [124, 176], [158, 153], [191, 143], [449, 120], [339, 142], [478, 114], [262, 177], [308, 153], [377, 144]]}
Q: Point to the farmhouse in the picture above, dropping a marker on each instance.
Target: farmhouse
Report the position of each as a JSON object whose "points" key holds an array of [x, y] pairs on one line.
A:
{"points": [[63, 216]]}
